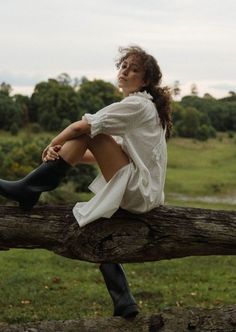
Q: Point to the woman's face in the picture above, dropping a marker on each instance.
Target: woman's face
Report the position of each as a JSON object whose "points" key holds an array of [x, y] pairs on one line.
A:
{"points": [[130, 75]]}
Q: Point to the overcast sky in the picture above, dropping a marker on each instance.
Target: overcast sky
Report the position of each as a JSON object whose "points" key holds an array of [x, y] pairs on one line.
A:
{"points": [[193, 40]]}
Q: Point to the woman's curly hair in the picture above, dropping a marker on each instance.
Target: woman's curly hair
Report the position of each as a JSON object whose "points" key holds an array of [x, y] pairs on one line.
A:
{"points": [[152, 76]]}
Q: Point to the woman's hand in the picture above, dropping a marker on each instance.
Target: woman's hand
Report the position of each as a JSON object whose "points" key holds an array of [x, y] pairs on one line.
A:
{"points": [[51, 152]]}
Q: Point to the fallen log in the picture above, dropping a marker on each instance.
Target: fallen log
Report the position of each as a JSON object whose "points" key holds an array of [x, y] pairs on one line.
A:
{"points": [[170, 320], [163, 233]]}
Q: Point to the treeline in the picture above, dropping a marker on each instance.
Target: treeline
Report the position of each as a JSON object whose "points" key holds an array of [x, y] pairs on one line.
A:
{"points": [[201, 118], [56, 103]]}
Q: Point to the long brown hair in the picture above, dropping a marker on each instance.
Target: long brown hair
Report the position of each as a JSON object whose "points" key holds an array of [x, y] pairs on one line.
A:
{"points": [[152, 76]]}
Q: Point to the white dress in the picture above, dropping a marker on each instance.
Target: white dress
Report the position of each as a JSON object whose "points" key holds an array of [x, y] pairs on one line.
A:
{"points": [[139, 186]]}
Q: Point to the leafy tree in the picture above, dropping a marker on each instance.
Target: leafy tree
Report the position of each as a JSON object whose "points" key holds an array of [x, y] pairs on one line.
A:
{"points": [[194, 90], [60, 101], [208, 96], [230, 98], [177, 116], [96, 94], [10, 112], [204, 132], [190, 123], [5, 88], [221, 112], [24, 104], [52, 102], [176, 89], [64, 79], [178, 111]]}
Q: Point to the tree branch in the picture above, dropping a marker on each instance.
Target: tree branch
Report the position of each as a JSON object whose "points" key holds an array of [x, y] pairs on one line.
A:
{"points": [[163, 233]]}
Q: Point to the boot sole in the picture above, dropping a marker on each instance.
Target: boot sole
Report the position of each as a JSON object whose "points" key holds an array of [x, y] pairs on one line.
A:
{"points": [[23, 204], [130, 311]]}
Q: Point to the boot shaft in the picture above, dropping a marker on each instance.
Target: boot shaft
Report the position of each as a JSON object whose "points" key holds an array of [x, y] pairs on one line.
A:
{"points": [[118, 288]]}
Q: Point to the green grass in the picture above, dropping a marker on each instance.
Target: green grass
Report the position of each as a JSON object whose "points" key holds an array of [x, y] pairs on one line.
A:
{"points": [[39, 285], [201, 168]]}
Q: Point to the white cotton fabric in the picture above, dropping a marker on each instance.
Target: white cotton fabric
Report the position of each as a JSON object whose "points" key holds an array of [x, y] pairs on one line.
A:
{"points": [[139, 186]]}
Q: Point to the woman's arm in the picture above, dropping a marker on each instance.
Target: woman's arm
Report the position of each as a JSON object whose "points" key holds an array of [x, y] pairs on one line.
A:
{"points": [[72, 131]]}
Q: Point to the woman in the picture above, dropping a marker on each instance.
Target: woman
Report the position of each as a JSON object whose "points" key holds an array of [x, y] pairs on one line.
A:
{"points": [[128, 142]]}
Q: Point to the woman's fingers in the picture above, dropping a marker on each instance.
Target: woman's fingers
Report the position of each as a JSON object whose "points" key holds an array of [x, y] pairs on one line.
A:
{"points": [[44, 153], [57, 147], [51, 153]]}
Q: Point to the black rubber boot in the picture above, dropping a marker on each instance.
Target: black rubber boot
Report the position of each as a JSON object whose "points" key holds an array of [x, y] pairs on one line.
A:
{"points": [[115, 279], [28, 190]]}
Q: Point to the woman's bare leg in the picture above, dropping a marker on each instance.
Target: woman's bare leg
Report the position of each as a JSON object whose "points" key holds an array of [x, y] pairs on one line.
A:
{"points": [[108, 154]]}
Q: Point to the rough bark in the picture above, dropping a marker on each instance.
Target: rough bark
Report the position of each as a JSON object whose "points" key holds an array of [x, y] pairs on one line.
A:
{"points": [[170, 320], [163, 233]]}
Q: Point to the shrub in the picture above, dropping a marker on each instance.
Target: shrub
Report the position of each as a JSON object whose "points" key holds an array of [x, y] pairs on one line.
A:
{"points": [[14, 129], [35, 128], [230, 134]]}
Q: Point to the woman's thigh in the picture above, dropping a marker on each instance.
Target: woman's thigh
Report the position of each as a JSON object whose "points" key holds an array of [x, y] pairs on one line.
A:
{"points": [[108, 154]]}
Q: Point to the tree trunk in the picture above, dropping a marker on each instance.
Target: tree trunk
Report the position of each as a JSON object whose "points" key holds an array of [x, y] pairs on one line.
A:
{"points": [[170, 320], [163, 233]]}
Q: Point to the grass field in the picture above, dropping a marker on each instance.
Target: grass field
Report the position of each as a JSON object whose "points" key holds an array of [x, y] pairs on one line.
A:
{"points": [[201, 172], [39, 285]]}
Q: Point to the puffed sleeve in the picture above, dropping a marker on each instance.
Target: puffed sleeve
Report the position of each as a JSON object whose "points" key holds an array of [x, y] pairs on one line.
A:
{"points": [[117, 118]]}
